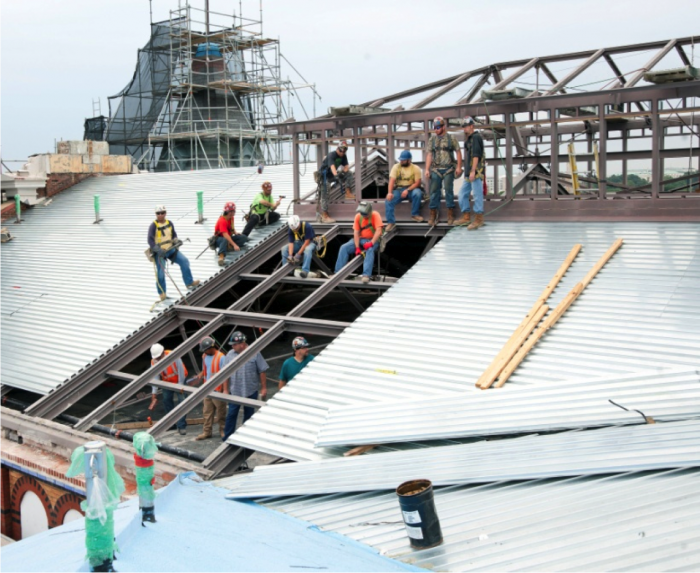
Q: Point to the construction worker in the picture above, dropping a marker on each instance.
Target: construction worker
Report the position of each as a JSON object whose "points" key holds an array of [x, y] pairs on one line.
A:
{"points": [[213, 360], [367, 230], [295, 364], [300, 244], [162, 239], [176, 373], [226, 236], [474, 165], [404, 183], [441, 167], [247, 381], [334, 168], [262, 211]]}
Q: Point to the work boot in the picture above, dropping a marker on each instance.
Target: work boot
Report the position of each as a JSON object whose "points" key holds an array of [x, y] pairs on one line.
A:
{"points": [[451, 216], [193, 284], [221, 431], [202, 437], [326, 218], [478, 222], [222, 259], [303, 274], [163, 296], [365, 279], [466, 218], [349, 195], [418, 219], [433, 217], [182, 431], [389, 227]]}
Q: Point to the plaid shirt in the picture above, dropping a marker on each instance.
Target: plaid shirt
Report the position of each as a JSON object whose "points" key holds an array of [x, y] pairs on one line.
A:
{"points": [[246, 380]]}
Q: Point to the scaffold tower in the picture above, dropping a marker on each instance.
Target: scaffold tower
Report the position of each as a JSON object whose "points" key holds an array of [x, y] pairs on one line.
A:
{"points": [[205, 86]]}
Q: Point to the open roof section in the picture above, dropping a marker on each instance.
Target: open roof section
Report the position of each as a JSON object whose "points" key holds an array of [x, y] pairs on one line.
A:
{"points": [[75, 289]]}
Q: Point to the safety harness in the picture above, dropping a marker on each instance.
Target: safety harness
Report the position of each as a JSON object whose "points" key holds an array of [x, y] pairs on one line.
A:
{"points": [[441, 172]]}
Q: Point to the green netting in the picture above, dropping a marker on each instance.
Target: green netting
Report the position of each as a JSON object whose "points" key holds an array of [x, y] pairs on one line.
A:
{"points": [[145, 445], [99, 509]]}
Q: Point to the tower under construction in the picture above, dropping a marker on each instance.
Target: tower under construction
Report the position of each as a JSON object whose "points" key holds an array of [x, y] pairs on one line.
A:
{"points": [[205, 86]]}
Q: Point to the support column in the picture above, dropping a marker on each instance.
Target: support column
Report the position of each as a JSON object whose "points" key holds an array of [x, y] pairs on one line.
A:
{"points": [[602, 152], [509, 157], [554, 156], [295, 164], [655, 150], [391, 159], [358, 163]]}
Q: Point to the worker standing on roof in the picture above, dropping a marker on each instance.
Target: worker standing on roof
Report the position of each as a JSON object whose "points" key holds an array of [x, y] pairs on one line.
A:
{"points": [[247, 381], [163, 241], [226, 236], [404, 183], [176, 373], [474, 165], [300, 244], [367, 229], [213, 360], [295, 364], [441, 167], [262, 210], [334, 167]]}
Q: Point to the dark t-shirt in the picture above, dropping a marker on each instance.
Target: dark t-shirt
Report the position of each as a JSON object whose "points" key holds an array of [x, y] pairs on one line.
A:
{"points": [[291, 367], [474, 147], [334, 159], [309, 233]]}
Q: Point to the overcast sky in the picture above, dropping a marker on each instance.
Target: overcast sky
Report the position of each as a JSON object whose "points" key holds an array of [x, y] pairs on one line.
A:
{"points": [[58, 56]]}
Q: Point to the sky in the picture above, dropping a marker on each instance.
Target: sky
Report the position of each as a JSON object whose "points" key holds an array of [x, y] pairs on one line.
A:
{"points": [[57, 57]]}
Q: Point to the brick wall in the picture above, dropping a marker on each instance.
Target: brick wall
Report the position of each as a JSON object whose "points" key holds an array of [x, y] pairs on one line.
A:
{"points": [[56, 500]]}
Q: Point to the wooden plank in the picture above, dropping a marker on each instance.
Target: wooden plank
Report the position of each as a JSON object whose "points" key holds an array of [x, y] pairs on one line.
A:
{"points": [[512, 347], [556, 314], [491, 373], [147, 424]]}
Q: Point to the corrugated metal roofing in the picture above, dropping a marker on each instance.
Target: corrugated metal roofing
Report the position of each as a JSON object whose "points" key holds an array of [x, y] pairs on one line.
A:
{"points": [[601, 451], [438, 328], [626, 522], [517, 409], [72, 289]]}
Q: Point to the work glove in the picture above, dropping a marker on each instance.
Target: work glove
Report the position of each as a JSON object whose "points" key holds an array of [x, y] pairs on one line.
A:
{"points": [[368, 246], [290, 260], [358, 251], [297, 257], [158, 251]]}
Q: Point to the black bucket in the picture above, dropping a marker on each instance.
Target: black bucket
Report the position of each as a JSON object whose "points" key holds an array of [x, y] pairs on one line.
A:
{"points": [[419, 513]]}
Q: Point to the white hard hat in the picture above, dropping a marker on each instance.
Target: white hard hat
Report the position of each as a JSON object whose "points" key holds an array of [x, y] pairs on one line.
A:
{"points": [[160, 208], [294, 222], [157, 351]]}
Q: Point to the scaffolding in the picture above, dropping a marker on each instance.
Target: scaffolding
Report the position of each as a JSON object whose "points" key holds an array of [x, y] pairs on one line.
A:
{"points": [[205, 86]]}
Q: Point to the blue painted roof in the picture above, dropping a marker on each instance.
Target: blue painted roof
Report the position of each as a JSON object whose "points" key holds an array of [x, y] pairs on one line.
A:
{"points": [[198, 530]]}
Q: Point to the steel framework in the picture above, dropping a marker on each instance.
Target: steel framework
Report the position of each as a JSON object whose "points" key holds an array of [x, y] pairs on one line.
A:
{"points": [[621, 123], [111, 365]]}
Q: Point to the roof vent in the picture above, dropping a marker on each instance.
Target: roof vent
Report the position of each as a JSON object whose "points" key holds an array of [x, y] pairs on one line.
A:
{"points": [[510, 93], [688, 73]]}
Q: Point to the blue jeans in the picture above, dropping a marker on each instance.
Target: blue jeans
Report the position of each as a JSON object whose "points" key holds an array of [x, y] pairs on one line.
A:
{"points": [[308, 254], [415, 196], [232, 416], [477, 190], [179, 259], [222, 243], [348, 249], [169, 399], [436, 186]]}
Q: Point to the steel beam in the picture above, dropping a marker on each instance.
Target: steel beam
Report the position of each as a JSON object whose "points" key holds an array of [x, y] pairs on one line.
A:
{"points": [[651, 63], [577, 72], [442, 91], [64, 396], [183, 408], [346, 284], [144, 379], [475, 89], [294, 323]]}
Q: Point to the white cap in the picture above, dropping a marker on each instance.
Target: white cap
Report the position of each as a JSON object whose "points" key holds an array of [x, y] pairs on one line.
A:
{"points": [[294, 222], [157, 351], [160, 208]]}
